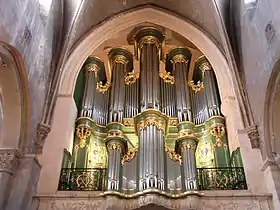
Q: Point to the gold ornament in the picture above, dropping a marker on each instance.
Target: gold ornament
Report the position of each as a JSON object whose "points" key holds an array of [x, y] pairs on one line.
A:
{"points": [[196, 87], [167, 77], [218, 131], [83, 132], [129, 155], [131, 77], [102, 88], [188, 145], [173, 155], [114, 146]]}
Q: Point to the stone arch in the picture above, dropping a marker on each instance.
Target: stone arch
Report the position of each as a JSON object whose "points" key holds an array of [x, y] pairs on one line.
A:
{"points": [[14, 93], [272, 113], [90, 42], [61, 134]]}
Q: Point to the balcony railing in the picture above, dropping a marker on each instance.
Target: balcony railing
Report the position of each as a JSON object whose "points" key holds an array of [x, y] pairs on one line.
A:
{"points": [[82, 179], [221, 178], [93, 179]]}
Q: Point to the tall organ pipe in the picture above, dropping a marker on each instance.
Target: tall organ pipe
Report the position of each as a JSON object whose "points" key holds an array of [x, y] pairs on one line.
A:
{"points": [[121, 62], [149, 44], [92, 67], [210, 86], [178, 61]]}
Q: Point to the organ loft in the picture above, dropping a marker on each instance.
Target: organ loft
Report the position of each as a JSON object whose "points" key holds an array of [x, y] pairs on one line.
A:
{"points": [[150, 121]]}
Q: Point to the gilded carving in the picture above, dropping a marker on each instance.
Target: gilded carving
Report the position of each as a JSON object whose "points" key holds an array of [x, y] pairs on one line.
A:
{"points": [[103, 88], [196, 87], [120, 59], [205, 67], [218, 131], [114, 146], [129, 155], [128, 122], [167, 77], [149, 40], [92, 67], [173, 122], [188, 145], [83, 132], [115, 133], [150, 121], [173, 155], [185, 133], [179, 58], [131, 77]]}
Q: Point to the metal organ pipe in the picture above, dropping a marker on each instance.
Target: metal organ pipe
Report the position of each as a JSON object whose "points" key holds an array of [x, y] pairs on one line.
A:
{"points": [[92, 67], [120, 61], [148, 43], [178, 59]]}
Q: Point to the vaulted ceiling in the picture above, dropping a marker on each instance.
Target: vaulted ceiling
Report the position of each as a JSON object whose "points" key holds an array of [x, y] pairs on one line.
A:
{"points": [[81, 16]]}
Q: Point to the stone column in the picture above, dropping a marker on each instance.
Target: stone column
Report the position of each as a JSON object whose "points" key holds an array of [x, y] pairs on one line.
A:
{"points": [[60, 138], [116, 146], [179, 58], [149, 43], [9, 159], [186, 146]]}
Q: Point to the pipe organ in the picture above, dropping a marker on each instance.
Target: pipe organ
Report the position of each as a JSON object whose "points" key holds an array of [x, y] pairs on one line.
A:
{"points": [[149, 126]]}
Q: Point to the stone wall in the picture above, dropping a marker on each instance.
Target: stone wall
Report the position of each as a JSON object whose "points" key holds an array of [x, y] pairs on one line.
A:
{"points": [[256, 30], [28, 26], [211, 200], [259, 53]]}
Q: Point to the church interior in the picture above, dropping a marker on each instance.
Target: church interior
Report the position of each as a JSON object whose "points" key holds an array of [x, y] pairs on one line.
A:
{"points": [[139, 104]]}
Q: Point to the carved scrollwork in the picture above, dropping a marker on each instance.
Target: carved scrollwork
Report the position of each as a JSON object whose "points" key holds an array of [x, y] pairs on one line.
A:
{"points": [[83, 132], [196, 87], [147, 122], [92, 67], [167, 77], [218, 131], [114, 146], [185, 133], [188, 145], [115, 133], [173, 155], [129, 155], [131, 77], [103, 88]]}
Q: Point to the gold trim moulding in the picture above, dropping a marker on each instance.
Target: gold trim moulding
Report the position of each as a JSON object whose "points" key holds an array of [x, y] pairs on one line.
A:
{"points": [[173, 155], [128, 122], [129, 155], [149, 40], [196, 87], [103, 88], [153, 191], [131, 77], [88, 118], [167, 77]]}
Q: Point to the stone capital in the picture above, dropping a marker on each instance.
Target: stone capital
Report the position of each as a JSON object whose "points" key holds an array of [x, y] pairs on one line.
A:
{"points": [[42, 133], [9, 159]]}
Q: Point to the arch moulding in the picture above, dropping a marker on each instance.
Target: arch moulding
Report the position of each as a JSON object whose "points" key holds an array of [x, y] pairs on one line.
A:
{"points": [[65, 110]]}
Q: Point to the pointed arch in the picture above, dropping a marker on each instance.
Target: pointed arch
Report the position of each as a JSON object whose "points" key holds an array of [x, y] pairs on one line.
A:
{"points": [[15, 98]]}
